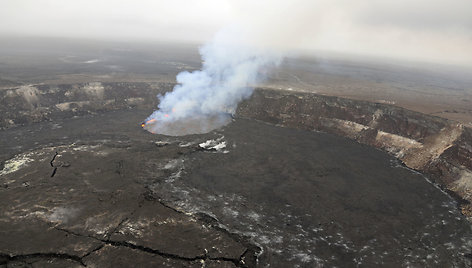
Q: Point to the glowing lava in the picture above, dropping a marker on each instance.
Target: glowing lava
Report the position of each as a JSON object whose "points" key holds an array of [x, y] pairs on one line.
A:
{"points": [[143, 124]]}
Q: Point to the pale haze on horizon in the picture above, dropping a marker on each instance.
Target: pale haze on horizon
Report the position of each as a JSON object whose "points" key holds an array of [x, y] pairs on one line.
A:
{"points": [[416, 30]]}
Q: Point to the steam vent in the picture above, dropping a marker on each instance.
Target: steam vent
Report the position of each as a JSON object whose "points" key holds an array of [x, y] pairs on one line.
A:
{"points": [[294, 180]]}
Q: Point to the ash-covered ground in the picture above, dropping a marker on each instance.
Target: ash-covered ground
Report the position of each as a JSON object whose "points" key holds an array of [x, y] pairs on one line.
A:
{"points": [[100, 191], [82, 184]]}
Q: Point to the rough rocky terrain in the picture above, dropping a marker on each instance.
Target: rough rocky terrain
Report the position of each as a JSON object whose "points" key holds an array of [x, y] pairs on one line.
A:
{"points": [[84, 185], [79, 195], [435, 146]]}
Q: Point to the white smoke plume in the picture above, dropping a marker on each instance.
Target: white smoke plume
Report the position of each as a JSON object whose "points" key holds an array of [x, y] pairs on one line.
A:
{"points": [[233, 62], [204, 100]]}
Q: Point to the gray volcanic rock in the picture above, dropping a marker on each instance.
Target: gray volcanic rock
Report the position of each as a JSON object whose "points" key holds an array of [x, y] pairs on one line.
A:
{"points": [[177, 236], [35, 103], [85, 199], [111, 256], [85, 185], [438, 147]]}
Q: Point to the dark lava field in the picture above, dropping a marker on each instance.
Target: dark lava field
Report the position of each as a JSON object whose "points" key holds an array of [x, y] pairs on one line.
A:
{"points": [[100, 191], [82, 184]]}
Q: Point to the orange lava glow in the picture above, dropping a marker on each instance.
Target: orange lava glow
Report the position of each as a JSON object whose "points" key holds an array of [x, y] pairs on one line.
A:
{"points": [[143, 124]]}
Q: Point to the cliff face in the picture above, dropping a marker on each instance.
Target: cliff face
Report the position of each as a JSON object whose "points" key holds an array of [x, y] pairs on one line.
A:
{"points": [[34, 103], [440, 148]]}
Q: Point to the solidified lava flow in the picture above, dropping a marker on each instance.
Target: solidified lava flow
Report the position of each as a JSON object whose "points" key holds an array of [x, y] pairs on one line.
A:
{"points": [[262, 188], [250, 189], [328, 163]]}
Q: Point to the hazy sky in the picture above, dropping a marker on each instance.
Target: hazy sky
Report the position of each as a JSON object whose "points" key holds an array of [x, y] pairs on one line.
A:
{"points": [[427, 30]]}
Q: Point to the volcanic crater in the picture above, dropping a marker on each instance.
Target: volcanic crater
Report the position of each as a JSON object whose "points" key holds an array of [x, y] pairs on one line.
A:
{"points": [[295, 179]]}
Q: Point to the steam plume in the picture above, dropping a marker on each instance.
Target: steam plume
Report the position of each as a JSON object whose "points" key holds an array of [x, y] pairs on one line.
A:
{"points": [[233, 61], [204, 100]]}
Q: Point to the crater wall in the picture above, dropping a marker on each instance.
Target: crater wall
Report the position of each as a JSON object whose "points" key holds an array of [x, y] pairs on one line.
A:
{"points": [[437, 147]]}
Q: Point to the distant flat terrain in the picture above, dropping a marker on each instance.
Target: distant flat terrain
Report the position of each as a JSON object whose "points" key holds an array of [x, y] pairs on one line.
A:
{"points": [[444, 91]]}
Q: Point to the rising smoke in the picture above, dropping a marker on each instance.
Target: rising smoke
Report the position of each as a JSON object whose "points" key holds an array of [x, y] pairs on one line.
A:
{"points": [[235, 60], [205, 99]]}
